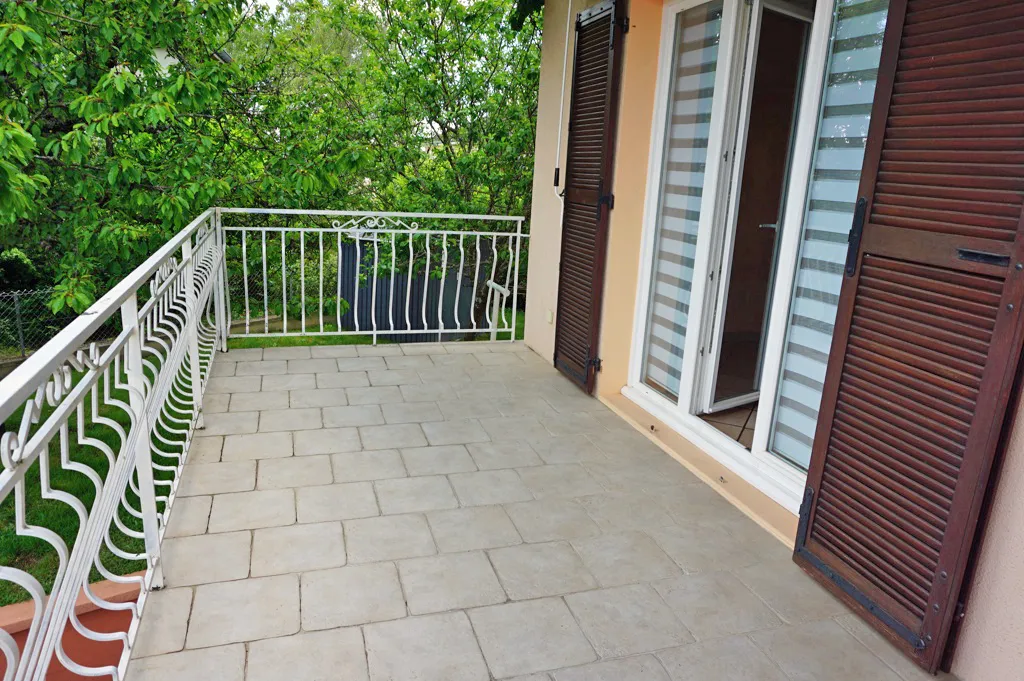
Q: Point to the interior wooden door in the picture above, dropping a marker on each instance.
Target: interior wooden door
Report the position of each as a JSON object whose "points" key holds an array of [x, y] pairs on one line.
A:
{"points": [[928, 335], [588, 182]]}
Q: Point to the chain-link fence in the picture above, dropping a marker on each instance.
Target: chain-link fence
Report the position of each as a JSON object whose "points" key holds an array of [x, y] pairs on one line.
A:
{"points": [[26, 322]]}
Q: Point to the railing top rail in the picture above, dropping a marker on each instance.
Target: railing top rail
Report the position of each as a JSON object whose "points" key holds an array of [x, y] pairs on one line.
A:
{"points": [[21, 383], [358, 213]]}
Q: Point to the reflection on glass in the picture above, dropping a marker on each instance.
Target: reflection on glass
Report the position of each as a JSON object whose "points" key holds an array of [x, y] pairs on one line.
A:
{"points": [[857, 33]]}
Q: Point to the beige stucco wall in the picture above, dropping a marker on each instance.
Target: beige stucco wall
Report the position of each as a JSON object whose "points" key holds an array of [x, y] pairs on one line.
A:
{"points": [[992, 643]]}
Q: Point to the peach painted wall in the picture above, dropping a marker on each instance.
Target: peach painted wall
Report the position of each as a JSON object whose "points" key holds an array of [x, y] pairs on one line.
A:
{"points": [[639, 73], [991, 647]]}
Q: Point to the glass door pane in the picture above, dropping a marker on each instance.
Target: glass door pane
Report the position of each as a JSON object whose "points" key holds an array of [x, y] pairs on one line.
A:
{"points": [[856, 48], [684, 158]]}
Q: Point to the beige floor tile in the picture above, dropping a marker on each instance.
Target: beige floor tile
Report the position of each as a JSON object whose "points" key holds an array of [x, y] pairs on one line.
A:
{"points": [[567, 449], [716, 604], [414, 495], [297, 471], [381, 464], [252, 510], [431, 648], [217, 478], [615, 512], [342, 379], [438, 460], [625, 558], [563, 481], [326, 441], [724, 658], [226, 663], [257, 446], [379, 394], [452, 581], [335, 502], [228, 423], [392, 436], [490, 487], [411, 412], [326, 397], [312, 366], [290, 382], [347, 417], [189, 516], [297, 548], [510, 454], [234, 384], [536, 570], [455, 432], [702, 548], [794, 596], [821, 650], [164, 623], [350, 596], [626, 620], [205, 558], [265, 399], [205, 449], [640, 668], [246, 610], [333, 351], [310, 656], [467, 529], [524, 638], [290, 419], [552, 520], [262, 367], [369, 540]]}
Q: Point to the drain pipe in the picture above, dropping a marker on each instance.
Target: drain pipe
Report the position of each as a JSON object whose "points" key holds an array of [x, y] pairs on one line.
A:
{"points": [[561, 114]]}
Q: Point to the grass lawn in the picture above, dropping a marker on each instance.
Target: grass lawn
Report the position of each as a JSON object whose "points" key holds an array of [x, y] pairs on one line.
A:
{"points": [[36, 556]]}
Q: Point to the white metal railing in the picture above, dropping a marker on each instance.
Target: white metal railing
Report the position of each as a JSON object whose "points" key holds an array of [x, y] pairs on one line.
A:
{"points": [[120, 417], [394, 275]]}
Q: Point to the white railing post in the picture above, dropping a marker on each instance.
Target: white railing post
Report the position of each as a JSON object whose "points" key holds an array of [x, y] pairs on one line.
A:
{"points": [[515, 279], [143, 453], [192, 329], [498, 295], [221, 286]]}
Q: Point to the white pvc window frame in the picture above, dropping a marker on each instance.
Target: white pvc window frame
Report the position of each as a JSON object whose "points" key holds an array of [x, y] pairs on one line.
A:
{"points": [[777, 478]]}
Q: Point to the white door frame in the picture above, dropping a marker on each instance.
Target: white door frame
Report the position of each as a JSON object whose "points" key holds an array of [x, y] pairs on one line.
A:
{"points": [[725, 228], [780, 480]]}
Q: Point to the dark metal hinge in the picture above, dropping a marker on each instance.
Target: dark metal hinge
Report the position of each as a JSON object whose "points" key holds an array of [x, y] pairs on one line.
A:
{"points": [[594, 362], [856, 231], [609, 199], [625, 25]]}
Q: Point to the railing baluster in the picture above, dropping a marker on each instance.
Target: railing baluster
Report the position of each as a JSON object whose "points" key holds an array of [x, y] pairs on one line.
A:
{"points": [[245, 279], [408, 284], [266, 297], [338, 301], [355, 305], [373, 290], [426, 282], [192, 330], [284, 284], [444, 276], [143, 452], [476, 284], [458, 285], [508, 277], [320, 305], [302, 279], [391, 281], [515, 281]]}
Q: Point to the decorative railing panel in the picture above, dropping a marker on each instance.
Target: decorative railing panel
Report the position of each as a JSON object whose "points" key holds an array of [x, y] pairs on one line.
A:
{"points": [[399, 276], [104, 430], [94, 432]]}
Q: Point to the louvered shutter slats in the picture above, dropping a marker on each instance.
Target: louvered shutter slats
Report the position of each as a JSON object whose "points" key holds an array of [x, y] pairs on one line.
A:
{"points": [[928, 332]]}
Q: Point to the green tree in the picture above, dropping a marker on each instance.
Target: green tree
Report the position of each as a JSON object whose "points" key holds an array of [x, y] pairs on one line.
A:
{"points": [[122, 119]]}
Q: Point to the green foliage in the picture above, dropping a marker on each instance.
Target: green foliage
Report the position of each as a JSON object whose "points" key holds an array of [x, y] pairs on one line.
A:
{"points": [[120, 120], [524, 9], [17, 272]]}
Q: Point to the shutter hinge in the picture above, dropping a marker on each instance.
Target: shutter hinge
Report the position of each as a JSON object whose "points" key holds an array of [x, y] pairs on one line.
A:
{"points": [[625, 25], [594, 362], [856, 231], [609, 199], [960, 613], [558, 175]]}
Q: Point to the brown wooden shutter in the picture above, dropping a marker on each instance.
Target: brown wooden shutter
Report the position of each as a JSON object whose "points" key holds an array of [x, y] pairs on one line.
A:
{"points": [[588, 182], [928, 334]]}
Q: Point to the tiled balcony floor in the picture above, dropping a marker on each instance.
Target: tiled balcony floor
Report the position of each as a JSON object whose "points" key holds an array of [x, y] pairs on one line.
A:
{"points": [[460, 512]]}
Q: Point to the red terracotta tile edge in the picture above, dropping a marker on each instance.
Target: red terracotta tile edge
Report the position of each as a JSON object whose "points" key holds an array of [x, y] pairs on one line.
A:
{"points": [[17, 618]]}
